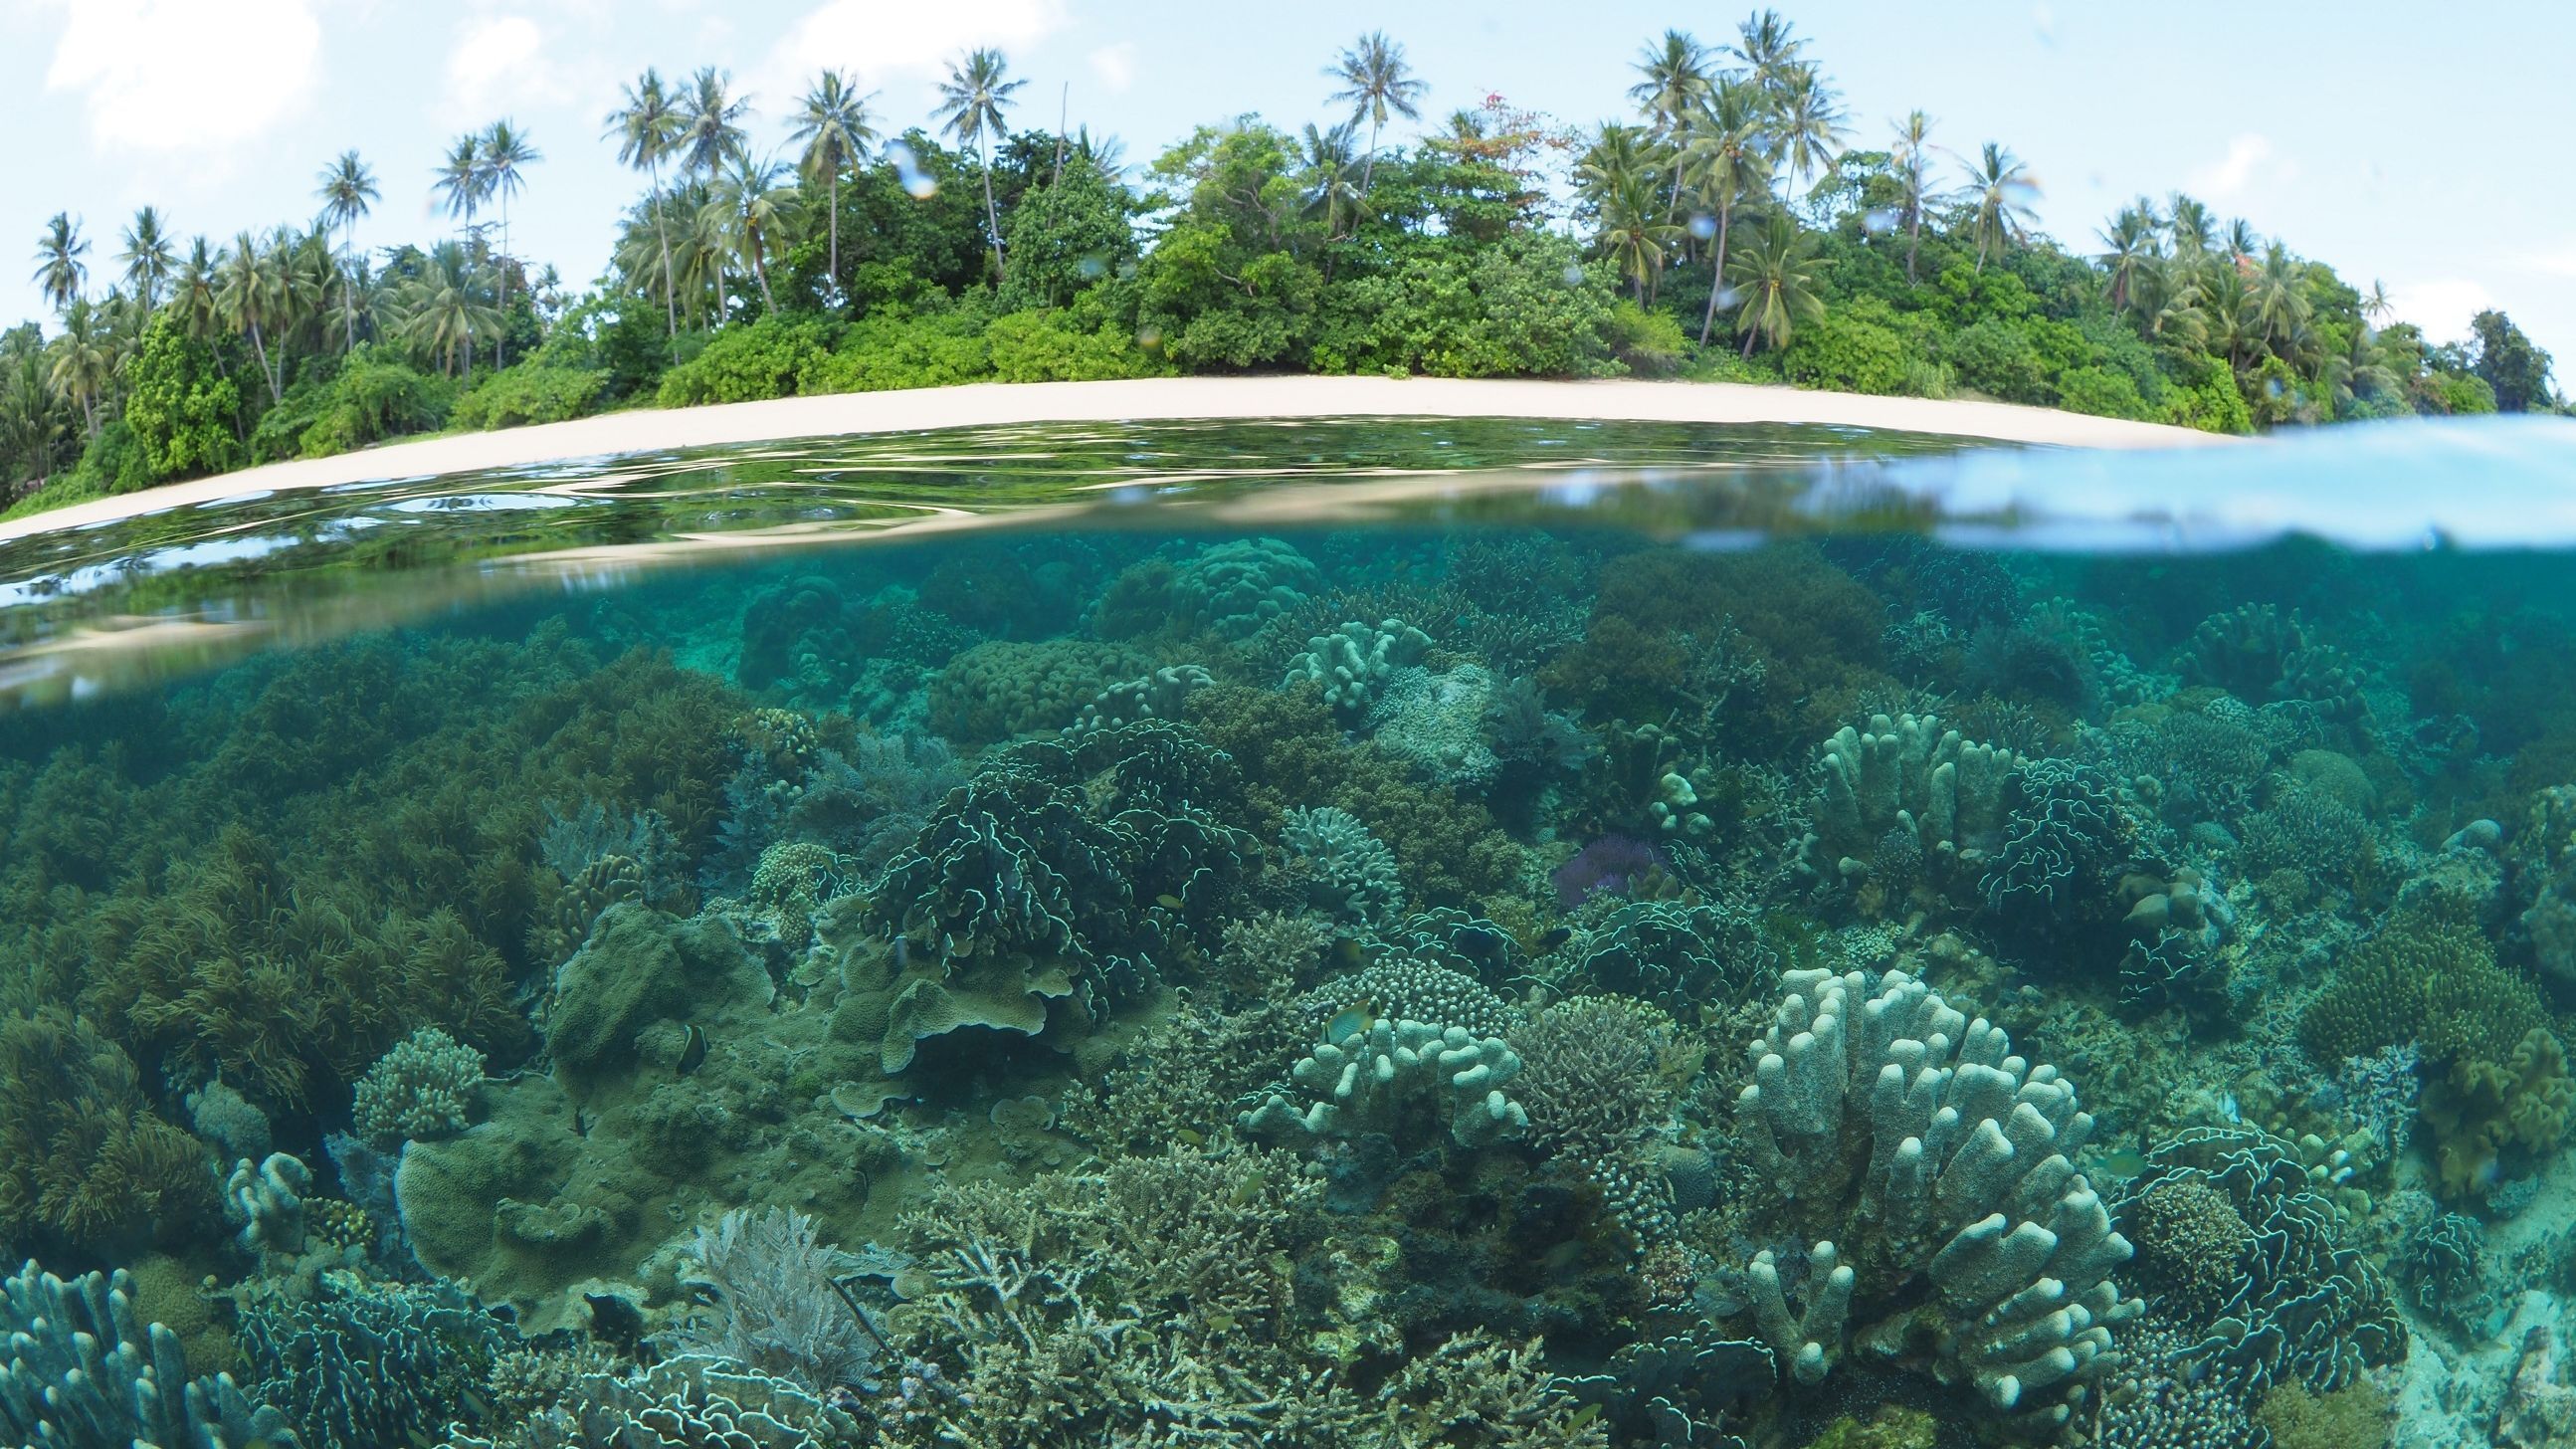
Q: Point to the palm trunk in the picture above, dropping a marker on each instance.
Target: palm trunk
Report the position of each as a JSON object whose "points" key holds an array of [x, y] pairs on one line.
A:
{"points": [[670, 307], [1913, 243], [832, 262], [501, 266], [760, 273], [1368, 168], [261, 348], [1717, 274], [993, 217], [349, 300]]}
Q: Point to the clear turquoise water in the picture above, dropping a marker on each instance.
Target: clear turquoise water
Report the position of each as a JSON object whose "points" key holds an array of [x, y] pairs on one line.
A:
{"points": [[1250, 934]]}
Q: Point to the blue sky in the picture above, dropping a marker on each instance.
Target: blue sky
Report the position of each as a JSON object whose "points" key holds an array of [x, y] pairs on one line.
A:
{"points": [[2427, 149]]}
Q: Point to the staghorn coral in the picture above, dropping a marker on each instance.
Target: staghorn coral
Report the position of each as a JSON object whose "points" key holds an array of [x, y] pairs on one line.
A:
{"points": [[1909, 1145], [423, 1088], [84, 1373], [361, 1364], [84, 1161]]}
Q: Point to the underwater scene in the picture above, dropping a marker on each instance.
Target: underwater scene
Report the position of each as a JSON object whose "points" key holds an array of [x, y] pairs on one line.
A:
{"points": [[1626, 959]]}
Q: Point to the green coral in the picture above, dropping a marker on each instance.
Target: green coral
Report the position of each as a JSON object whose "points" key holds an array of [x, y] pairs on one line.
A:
{"points": [[2489, 1117], [1004, 688], [84, 1160], [423, 1088]]}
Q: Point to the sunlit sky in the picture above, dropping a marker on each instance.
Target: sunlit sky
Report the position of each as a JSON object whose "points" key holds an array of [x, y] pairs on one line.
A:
{"points": [[2424, 148]]}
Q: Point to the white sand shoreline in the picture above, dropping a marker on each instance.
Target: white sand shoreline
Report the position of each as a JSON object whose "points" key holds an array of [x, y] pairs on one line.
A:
{"points": [[1152, 399]]}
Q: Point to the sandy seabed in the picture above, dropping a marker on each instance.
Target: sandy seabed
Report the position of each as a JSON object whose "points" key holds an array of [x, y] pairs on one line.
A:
{"points": [[1143, 400]]}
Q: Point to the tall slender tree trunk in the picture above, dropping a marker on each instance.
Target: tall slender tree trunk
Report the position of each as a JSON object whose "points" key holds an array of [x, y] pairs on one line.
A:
{"points": [[349, 297], [501, 265], [1717, 274], [832, 262], [760, 273], [1913, 244], [993, 216], [261, 348], [670, 307], [1368, 167]]}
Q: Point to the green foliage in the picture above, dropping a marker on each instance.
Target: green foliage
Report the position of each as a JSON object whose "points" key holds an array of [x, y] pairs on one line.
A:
{"points": [[748, 362], [2207, 398], [1068, 236], [895, 348], [1650, 344], [1051, 345], [528, 393], [2101, 392], [1997, 358], [2458, 393], [182, 408], [2515, 370], [1849, 351], [1521, 306], [374, 398], [114, 462]]}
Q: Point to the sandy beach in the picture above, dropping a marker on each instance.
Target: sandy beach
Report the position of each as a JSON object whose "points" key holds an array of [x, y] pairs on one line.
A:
{"points": [[1152, 399]]}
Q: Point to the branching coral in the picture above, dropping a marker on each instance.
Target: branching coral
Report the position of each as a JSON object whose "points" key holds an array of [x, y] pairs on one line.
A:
{"points": [[1911, 1147], [1345, 870], [364, 1364], [84, 1373], [768, 1277], [1392, 1076], [423, 1088], [1355, 664], [1907, 787]]}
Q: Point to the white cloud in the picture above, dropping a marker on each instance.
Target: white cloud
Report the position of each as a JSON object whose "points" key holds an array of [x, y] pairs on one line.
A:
{"points": [[883, 40], [2442, 306], [171, 75], [2560, 263], [1115, 65], [2230, 174], [499, 63]]}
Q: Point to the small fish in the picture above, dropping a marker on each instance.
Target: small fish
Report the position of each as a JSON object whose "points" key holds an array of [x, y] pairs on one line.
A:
{"points": [[1556, 938], [1169, 902], [694, 1054]]}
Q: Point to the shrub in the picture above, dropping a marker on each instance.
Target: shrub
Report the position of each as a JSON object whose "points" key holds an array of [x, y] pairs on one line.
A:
{"points": [[528, 393], [2101, 392], [747, 362], [1051, 345], [1848, 352], [1998, 359], [374, 398], [181, 407], [1650, 344], [895, 349]]}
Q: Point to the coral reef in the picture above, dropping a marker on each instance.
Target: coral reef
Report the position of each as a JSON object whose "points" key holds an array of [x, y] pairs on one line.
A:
{"points": [[83, 1373], [772, 1307], [423, 1088], [1355, 664], [1346, 871], [1904, 805], [83, 1158], [363, 1364], [1390, 1076]]}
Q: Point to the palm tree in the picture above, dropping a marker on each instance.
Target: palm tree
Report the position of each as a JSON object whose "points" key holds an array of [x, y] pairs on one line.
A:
{"points": [[2280, 296], [2242, 240], [2376, 307], [1723, 156], [647, 126], [200, 281], [1997, 184], [147, 258], [832, 121], [750, 202], [1675, 83], [505, 150], [347, 192], [971, 102], [1806, 122], [60, 272], [444, 308], [1637, 228], [84, 360], [2195, 231], [2131, 237], [1775, 278], [460, 179], [1329, 157], [1912, 159], [2360, 370], [711, 132], [1768, 44], [243, 294], [1378, 82]]}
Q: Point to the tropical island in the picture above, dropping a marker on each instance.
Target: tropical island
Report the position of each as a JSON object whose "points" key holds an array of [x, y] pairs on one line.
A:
{"points": [[1739, 224]]}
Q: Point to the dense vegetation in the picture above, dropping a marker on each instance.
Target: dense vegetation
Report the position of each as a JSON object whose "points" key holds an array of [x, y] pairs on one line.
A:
{"points": [[1740, 226]]}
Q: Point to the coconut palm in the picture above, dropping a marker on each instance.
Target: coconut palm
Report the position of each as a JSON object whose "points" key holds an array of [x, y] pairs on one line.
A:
{"points": [[28, 427], [711, 131], [445, 307], [2359, 371], [1768, 45], [971, 102], [1616, 153], [347, 191], [60, 272], [200, 281], [647, 125], [2243, 242], [1911, 157], [1637, 228], [1329, 158], [460, 178], [2194, 230], [2279, 296], [245, 295], [1775, 281], [2131, 239], [832, 121], [1806, 122], [1378, 83], [750, 201], [1723, 157], [1674, 82], [84, 359], [1999, 186], [2376, 308], [147, 258]]}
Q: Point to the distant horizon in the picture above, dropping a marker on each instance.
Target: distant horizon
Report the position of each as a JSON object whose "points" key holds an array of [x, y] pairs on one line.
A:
{"points": [[222, 113]]}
